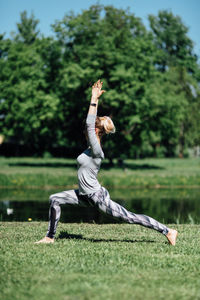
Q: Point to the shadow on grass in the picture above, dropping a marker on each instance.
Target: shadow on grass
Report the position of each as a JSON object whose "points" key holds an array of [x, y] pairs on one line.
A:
{"points": [[105, 165], [65, 235], [133, 166]]}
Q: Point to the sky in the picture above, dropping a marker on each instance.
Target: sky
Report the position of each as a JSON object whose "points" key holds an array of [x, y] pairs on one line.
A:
{"points": [[47, 11]]}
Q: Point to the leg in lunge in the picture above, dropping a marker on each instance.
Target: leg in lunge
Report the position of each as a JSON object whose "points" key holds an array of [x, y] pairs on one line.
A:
{"points": [[104, 203], [66, 197], [54, 217]]}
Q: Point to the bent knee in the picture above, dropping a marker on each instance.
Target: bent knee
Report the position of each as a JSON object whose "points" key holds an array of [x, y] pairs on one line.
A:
{"points": [[52, 199]]}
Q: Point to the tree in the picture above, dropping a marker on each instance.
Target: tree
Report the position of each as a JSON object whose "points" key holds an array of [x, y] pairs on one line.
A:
{"points": [[173, 44], [27, 31], [28, 105], [189, 135], [175, 52]]}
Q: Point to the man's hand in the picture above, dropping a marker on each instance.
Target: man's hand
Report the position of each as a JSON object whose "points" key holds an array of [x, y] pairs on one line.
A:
{"points": [[96, 90]]}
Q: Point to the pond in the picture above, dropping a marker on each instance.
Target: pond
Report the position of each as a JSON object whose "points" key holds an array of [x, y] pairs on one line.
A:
{"points": [[165, 205]]}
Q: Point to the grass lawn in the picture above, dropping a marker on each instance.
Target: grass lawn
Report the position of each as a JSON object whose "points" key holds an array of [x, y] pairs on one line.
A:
{"points": [[48, 173], [98, 262]]}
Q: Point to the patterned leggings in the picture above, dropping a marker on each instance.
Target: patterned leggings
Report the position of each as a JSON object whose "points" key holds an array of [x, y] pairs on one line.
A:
{"points": [[101, 200]]}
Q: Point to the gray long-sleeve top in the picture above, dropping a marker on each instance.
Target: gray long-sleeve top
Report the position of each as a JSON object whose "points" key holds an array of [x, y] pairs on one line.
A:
{"points": [[89, 161]]}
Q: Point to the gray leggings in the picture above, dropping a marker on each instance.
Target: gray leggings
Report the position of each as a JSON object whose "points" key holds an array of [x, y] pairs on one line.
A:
{"points": [[101, 200]]}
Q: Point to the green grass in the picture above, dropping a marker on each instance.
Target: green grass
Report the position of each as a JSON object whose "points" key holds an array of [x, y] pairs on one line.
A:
{"points": [[149, 173], [98, 262]]}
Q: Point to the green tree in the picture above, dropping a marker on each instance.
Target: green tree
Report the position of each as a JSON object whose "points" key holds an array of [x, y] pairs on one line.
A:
{"points": [[27, 28], [29, 104], [172, 41], [189, 127], [175, 52]]}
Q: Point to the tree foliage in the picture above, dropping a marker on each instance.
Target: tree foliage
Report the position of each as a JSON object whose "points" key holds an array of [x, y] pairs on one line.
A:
{"points": [[172, 41], [151, 78], [27, 29]]}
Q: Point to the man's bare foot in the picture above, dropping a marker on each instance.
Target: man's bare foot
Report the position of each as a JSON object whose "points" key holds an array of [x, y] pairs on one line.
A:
{"points": [[45, 240], [171, 236]]}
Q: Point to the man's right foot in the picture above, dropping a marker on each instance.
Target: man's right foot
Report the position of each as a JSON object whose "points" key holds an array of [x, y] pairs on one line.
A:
{"points": [[171, 236], [45, 240]]}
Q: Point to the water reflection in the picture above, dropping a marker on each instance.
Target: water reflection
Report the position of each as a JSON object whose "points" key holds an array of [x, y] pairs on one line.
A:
{"points": [[167, 206]]}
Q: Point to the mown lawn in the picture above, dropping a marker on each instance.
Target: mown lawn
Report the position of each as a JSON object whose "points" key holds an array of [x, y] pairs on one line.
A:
{"points": [[48, 173], [90, 261]]}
